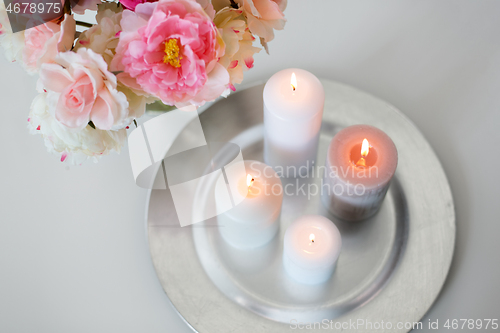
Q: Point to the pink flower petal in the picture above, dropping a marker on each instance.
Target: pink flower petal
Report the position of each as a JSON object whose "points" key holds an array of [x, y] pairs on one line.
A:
{"points": [[54, 77], [67, 34], [249, 62], [102, 115], [233, 64]]}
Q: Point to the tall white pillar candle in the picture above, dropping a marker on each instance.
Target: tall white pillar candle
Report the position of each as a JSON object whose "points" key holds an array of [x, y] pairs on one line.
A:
{"points": [[293, 109], [255, 220], [311, 248]]}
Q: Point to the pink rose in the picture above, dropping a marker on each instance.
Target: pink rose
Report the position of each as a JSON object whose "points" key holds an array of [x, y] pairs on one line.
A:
{"points": [[43, 42], [169, 49], [35, 40], [81, 89], [264, 16]]}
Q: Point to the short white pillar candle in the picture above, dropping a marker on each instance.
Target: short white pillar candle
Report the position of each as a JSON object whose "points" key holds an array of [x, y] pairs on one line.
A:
{"points": [[255, 220], [311, 248], [293, 109]]}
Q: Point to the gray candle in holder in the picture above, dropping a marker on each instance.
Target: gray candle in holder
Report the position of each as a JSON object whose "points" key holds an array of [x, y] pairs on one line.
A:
{"points": [[360, 164]]}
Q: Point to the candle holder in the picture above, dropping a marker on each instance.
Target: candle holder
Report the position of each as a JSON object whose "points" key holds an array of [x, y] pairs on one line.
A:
{"points": [[392, 265]]}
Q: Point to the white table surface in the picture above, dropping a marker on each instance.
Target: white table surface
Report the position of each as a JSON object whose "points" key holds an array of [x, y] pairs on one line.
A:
{"points": [[73, 250]]}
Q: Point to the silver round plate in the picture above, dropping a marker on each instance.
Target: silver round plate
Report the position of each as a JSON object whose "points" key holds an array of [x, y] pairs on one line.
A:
{"points": [[391, 268]]}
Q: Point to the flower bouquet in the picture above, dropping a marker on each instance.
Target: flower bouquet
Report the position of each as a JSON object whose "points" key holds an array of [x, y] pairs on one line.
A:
{"points": [[94, 84]]}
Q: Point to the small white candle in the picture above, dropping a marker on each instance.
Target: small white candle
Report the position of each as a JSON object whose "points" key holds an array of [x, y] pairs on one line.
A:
{"points": [[311, 248], [293, 109], [254, 221]]}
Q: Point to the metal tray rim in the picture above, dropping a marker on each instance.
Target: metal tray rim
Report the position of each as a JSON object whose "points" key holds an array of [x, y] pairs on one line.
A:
{"points": [[447, 230]]}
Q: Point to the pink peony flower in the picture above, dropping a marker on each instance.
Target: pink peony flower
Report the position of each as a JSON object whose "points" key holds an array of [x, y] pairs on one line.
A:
{"points": [[131, 4], [43, 42], [264, 16], [81, 89], [205, 4], [169, 49]]}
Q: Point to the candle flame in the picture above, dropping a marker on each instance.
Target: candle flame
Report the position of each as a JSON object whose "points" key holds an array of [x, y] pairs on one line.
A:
{"points": [[250, 180], [293, 82], [365, 148], [311, 237]]}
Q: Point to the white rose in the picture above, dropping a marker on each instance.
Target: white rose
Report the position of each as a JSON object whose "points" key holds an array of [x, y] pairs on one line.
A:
{"points": [[73, 146], [12, 43]]}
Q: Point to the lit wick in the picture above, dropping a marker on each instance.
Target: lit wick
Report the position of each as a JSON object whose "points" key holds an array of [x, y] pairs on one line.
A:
{"points": [[365, 149], [293, 82], [311, 237], [250, 180]]}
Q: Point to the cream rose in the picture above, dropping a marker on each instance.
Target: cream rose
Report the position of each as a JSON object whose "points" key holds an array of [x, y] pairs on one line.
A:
{"points": [[264, 16], [238, 41]]}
